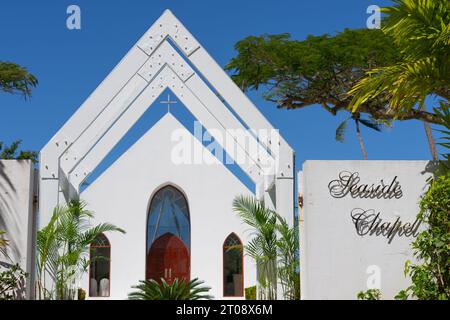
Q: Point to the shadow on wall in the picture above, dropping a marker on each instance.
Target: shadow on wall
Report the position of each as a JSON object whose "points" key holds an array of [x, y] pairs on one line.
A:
{"points": [[433, 168], [9, 215]]}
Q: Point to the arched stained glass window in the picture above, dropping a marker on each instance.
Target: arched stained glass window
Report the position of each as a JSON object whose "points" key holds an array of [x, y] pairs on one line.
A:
{"points": [[233, 265], [100, 268], [168, 214], [168, 236]]}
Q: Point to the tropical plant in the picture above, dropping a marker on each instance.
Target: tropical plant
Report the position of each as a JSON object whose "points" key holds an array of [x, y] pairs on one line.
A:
{"points": [[12, 152], [288, 259], [274, 247], [421, 31], [371, 294], [263, 246], [373, 124], [178, 290], [63, 250], [320, 71], [431, 274], [16, 79], [12, 283]]}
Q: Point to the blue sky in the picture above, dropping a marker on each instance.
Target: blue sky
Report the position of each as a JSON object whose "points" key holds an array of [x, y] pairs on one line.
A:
{"points": [[71, 63]]}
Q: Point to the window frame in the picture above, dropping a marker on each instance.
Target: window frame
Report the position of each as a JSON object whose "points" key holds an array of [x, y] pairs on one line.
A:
{"points": [[223, 266], [91, 246]]}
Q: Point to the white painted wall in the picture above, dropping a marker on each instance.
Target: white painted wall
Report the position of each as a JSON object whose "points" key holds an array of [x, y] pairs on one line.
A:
{"points": [[16, 210], [334, 259], [122, 194]]}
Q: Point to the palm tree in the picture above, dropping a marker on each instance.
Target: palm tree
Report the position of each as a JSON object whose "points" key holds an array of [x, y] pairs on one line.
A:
{"points": [[274, 247], [263, 246], [178, 290], [63, 249], [373, 124], [288, 259], [420, 29]]}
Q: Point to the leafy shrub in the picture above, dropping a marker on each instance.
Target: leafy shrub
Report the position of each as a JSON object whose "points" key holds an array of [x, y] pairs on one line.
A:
{"points": [[250, 293], [371, 294], [12, 283], [431, 276]]}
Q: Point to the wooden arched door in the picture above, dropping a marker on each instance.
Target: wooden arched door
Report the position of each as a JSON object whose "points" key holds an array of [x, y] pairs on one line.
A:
{"points": [[168, 258]]}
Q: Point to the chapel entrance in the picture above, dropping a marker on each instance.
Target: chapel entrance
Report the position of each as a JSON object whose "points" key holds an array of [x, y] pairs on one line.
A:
{"points": [[168, 236], [168, 259]]}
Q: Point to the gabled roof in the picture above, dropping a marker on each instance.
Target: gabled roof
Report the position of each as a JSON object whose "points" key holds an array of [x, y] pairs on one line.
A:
{"points": [[151, 66]]}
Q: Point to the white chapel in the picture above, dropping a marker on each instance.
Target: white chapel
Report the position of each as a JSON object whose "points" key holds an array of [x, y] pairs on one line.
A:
{"points": [[176, 211]]}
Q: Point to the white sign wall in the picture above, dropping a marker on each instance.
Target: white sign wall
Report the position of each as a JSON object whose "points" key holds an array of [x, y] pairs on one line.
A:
{"points": [[356, 225]]}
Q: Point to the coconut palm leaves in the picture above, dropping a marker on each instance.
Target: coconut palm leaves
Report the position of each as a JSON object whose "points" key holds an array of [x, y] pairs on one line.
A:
{"points": [[288, 259], [421, 30], [444, 113], [63, 250], [262, 247], [273, 246], [370, 123], [178, 290]]}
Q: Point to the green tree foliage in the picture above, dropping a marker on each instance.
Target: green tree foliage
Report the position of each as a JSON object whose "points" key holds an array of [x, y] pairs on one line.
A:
{"points": [[319, 70], [63, 250], [431, 276], [420, 29], [12, 283], [12, 152], [178, 290], [274, 247], [16, 79]]}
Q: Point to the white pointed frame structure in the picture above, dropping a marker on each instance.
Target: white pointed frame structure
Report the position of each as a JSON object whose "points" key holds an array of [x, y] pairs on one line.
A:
{"points": [[150, 67]]}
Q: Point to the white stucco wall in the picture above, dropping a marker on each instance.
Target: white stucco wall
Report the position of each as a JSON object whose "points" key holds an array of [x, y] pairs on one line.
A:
{"points": [[16, 210], [122, 194], [334, 258]]}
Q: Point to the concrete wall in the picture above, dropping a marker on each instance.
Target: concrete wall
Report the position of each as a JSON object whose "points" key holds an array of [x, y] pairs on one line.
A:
{"points": [[16, 211], [336, 261], [122, 195]]}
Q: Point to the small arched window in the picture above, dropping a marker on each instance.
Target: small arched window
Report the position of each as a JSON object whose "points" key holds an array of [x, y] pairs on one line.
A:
{"points": [[100, 267], [233, 265]]}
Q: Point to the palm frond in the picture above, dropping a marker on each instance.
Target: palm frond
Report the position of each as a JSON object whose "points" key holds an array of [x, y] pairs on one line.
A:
{"points": [[371, 124], [63, 248], [340, 131], [178, 290]]}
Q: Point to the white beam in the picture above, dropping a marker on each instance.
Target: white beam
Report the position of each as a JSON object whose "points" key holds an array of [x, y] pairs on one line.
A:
{"points": [[162, 56], [166, 79]]}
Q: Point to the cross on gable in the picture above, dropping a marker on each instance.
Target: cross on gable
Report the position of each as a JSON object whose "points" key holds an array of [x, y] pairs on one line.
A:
{"points": [[168, 102]]}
